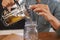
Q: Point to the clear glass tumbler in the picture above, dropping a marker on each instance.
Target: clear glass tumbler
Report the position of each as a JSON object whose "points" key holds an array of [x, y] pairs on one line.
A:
{"points": [[30, 31]]}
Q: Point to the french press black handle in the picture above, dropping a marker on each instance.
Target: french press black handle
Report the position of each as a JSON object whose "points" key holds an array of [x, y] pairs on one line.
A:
{"points": [[16, 2]]}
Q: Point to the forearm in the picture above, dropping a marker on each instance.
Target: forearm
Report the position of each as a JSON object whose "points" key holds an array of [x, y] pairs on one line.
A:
{"points": [[54, 22]]}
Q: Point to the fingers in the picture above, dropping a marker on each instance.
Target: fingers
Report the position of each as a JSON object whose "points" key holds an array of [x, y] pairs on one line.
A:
{"points": [[39, 6], [33, 7], [6, 3], [40, 10], [12, 2], [42, 14], [9, 8]]}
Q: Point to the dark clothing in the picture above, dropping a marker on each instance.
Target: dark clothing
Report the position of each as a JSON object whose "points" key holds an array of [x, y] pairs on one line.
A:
{"points": [[18, 25]]}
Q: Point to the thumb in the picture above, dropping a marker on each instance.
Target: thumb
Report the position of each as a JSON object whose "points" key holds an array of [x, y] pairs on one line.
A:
{"points": [[9, 8]]}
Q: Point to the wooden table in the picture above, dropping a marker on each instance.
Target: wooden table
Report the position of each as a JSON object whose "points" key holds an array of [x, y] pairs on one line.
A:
{"points": [[18, 34], [48, 36], [11, 37], [43, 36]]}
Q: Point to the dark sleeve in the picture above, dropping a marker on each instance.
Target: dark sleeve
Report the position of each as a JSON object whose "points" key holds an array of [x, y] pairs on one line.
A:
{"points": [[1, 12], [1, 8]]}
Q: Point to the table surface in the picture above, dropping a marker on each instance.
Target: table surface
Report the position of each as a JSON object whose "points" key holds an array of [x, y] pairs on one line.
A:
{"points": [[48, 36], [5, 34], [43, 36]]}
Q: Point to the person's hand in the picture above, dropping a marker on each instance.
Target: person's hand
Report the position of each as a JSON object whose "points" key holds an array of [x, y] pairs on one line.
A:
{"points": [[42, 10], [7, 4]]}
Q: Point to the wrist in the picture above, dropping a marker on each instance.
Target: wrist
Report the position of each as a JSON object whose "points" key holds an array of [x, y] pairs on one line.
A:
{"points": [[50, 17], [54, 22]]}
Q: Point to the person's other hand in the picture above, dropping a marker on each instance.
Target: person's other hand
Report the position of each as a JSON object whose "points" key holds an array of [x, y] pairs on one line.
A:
{"points": [[42, 10], [7, 4]]}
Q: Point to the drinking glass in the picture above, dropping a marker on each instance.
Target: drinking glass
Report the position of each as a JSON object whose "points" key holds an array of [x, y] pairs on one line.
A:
{"points": [[30, 32]]}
